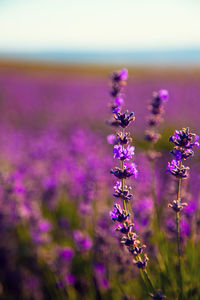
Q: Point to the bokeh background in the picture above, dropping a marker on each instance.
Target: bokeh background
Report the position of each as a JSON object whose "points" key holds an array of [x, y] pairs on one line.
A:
{"points": [[57, 241]]}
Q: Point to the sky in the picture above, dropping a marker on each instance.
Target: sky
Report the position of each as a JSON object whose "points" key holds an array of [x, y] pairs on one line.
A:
{"points": [[29, 25]]}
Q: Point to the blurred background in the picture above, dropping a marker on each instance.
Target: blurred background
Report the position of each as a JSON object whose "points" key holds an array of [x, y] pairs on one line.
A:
{"points": [[57, 239], [62, 53]]}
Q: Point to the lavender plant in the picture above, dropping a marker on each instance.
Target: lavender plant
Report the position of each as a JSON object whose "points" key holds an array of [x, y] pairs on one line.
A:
{"points": [[183, 141], [156, 108], [124, 153]]}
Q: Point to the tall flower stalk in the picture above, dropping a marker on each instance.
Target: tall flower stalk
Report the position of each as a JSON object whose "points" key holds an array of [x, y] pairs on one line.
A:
{"points": [[152, 135], [183, 141], [124, 153]]}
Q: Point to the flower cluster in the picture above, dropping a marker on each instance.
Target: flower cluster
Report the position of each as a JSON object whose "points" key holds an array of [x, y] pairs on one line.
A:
{"points": [[156, 109], [158, 295], [118, 81], [124, 152], [183, 141]]}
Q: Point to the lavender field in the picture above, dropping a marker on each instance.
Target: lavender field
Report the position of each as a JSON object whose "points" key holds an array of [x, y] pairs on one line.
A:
{"points": [[57, 220]]}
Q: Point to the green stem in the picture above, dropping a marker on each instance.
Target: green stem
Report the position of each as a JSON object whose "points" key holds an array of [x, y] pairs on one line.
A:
{"points": [[123, 179], [123, 184], [149, 281], [153, 192], [153, 187], [178, 243]]}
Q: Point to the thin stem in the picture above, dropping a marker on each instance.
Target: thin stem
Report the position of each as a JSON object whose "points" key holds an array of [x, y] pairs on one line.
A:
{"points": [[123, 179], [149, 281], [123, 184], [178, 242], [153, 192], [153, 186]]}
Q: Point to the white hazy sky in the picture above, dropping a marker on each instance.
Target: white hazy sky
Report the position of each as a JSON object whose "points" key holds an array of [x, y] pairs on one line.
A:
{"points": [[102, 24]]}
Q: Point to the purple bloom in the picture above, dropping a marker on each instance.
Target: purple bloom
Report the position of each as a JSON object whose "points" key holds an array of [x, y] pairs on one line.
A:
{"points": [[44, 226], [123, 228], [176, 206], [82, 241], [124, 119], [100, 274], [70, 279], [163, 95], [119, 101], [116, 110], [184, 139], [127, 153], [190, 209], [111, 139], [178, 170], [152, 136], [130, 239], [131, 169], [124, 74], [118, 151], [117, 214], [185, 228], [118, 185], [158, 295], [141, 263], [66, 253], [182, 154], [123, 194]]}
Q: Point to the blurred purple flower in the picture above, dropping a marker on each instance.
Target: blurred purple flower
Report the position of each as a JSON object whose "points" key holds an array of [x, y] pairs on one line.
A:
{"points": [[82, 241], [70, 279], [66, 253], [111, 139], [163, 95], [119, 101]]}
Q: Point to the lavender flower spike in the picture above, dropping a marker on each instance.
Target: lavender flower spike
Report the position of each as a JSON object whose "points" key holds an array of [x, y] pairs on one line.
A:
{"points": [[125, 152], [184, 141]]}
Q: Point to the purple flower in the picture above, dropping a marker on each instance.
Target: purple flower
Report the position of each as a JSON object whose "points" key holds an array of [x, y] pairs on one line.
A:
{"points": [[182, 154], [100, 274], [111, 139], [184, 139], [123, 228], [152, 136], [158, 295], [117, 214], [66, 253], [142, 263], [178, 170], [116, 110], [176, 206], [70, 279], [118, 185], [127, 153], [118, 151], [190, 209], [124, 119], [123, 74], [185, 228], [82, 241], [123, 194], [163, 95], [131, 169], [130, 239], [44, 226], [119, 101]]}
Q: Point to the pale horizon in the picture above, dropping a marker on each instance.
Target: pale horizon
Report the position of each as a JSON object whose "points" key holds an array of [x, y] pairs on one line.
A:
{"points": [[38, 25]]}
